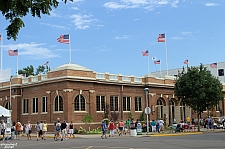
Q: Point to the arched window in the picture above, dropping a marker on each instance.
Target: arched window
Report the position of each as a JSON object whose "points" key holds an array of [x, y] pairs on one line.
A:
{"points": [[79, 103], [7, 105], [58, 103], [183, 111]]}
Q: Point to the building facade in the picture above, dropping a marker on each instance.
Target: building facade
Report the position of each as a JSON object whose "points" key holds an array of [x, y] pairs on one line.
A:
{"points": [[70, 92]]}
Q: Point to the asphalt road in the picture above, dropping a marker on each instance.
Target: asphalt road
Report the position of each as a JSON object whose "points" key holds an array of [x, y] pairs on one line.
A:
{"points": [[197, 141]]}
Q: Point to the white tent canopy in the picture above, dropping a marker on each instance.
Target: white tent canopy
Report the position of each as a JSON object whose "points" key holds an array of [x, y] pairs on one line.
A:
{"points": [[4, 112]]}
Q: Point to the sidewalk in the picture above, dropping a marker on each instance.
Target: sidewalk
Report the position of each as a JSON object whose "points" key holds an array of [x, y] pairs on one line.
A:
{"points": [[151, 134]]}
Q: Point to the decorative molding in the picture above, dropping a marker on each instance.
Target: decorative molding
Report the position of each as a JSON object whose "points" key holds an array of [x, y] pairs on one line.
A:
{"points": [[80, 92], [14, 96], [173, 95], [0, 99], [67, 90], [167, 96], [48, 92], [152, 94], [92, 91], [161, 95], [6, 98], [57, 92]]}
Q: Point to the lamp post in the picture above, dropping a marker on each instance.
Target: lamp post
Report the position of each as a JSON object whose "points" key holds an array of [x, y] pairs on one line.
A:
{"points": [[147, 109]]}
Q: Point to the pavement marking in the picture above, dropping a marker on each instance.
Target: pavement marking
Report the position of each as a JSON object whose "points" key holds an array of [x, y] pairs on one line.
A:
{"points": [[177, 134], [89, 147]]}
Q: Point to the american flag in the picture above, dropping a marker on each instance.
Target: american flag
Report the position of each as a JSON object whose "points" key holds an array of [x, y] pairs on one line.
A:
{"points": [[13, 52], [161, 38], [157, 62], [213, 65], [0, 37], [186, 61], [145, 53], [64, 39], [46, 63], [23, 75]]}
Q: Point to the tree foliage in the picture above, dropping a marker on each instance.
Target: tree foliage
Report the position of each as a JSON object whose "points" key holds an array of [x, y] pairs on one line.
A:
{"points": [[198, 89], [15, 10], [87, 119], [29, 70]]}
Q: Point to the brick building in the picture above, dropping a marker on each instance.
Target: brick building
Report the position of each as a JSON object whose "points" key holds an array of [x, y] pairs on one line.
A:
{"points": [[70, 91]]}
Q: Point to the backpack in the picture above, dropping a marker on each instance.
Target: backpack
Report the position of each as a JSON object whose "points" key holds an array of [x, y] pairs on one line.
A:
{"points": [[58, 127]]}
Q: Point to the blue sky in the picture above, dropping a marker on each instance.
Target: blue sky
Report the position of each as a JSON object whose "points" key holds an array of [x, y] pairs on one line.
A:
{"points": [[109, 35]]}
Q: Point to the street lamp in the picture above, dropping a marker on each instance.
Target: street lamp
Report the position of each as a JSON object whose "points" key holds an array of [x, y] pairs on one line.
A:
{"points": [[147, 109]]}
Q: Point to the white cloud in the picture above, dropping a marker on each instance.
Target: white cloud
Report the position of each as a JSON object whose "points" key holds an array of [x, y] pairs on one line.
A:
{"points": [[55, 26], [177, 38], [75, 8], [186, 33], [82, 21], [32, 50], [113, 5], [210, 4], [122, 37], [146, 4]]}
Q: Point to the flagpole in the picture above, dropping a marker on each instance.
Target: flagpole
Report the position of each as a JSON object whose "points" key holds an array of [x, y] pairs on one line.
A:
{"points": [[160, 69], [166, 55], [70, 48], [17, 62], [148, 65], [217, 69], [1, 44]]}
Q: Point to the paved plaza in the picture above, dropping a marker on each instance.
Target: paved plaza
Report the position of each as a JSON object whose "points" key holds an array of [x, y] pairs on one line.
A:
{"points": [[205, 140]]}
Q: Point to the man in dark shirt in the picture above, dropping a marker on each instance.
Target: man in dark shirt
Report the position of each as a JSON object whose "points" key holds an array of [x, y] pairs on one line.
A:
{"points": [[63, 129]]}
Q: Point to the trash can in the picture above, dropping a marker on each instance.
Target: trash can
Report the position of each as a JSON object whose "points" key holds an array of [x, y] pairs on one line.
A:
{"points": [[133, 132], [139, 128]]}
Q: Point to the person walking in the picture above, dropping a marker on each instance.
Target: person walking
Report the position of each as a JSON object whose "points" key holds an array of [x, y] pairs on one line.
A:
{"points": [[41, 128], [44, 130], [104, 129], [18, 126], [71, 129], [63, 130], [3, 129], [37, 127], [111, 128], [28, 130], [57, 130], [121, 127], [127, 127]]}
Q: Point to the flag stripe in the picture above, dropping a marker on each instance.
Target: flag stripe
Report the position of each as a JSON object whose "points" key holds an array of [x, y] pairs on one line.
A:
{"points": [[64, 39], [13, 52], [213, 65], [157, 62], [145, 53], [46, 63], [186, 61], [161, 38]]}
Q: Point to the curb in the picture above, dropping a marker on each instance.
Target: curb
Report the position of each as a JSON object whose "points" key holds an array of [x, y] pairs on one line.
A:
{"points": [[175, 134]]}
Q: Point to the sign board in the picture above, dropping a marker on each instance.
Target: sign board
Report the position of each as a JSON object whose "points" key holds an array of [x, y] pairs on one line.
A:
{"points": [[147, 110]]}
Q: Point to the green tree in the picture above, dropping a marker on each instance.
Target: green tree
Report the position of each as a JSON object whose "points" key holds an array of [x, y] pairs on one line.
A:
{"points": [[15, 10], [29, 70], [88, 120], [42, 69], [142, 116], [198, 89]]}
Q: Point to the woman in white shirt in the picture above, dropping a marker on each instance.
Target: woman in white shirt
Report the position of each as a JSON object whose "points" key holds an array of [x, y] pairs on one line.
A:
{"points": [[28, 130]]}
